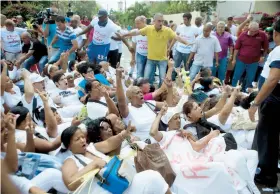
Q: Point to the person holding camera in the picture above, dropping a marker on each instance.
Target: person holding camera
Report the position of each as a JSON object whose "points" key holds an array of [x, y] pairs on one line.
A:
{"points": [[49, 29]]}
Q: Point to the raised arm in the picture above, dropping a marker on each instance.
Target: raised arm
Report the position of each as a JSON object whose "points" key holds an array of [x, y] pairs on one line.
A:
{"points": [[11, 157], [124, 111], [243, 24], [154, 132], [28, 87], [216, 109], [50, 119], [111, 105]]}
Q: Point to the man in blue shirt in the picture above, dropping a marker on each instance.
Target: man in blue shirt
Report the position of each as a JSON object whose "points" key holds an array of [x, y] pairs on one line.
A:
{"points": [[67, 40], [49, 28]]}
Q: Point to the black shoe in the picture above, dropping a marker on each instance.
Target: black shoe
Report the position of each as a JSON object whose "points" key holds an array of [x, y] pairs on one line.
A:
{"points": [[268, 181]]}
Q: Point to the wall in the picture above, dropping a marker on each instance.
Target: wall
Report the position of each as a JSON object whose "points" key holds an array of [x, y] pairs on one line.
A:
{"points": [[233, 8], [270, 7]]}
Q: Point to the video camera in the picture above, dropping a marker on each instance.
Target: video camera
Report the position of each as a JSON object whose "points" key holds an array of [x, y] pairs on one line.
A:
{"points": [[43, 16]]}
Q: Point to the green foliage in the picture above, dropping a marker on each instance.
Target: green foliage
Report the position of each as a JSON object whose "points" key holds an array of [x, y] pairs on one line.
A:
{"points": [[27, 10], [203, 6], [128, 17]]}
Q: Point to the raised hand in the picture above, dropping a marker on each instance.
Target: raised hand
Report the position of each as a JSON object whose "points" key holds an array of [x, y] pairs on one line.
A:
{"points": [[104, 91], [119, 73], [126, 133], [163, 109], [168, 82], [10, 121], [171, 63], [43, 95], [30, 126]]}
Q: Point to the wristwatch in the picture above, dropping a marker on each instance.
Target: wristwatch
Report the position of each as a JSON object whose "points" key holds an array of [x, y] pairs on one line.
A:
{"points": [[254, 104]]}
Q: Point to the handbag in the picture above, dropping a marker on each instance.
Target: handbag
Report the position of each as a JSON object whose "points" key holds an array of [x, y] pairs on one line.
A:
{"points": [[152, 157], [32, 164], [111, 180]]}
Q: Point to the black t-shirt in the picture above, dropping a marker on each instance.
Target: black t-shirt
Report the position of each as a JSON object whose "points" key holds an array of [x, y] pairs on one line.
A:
{"points": [[39, 49], [25, 48]]}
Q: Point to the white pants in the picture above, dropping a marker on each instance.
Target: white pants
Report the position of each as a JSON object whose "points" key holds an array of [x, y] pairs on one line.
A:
{"points": [[46, 180], [244, 163], [148, 182]]}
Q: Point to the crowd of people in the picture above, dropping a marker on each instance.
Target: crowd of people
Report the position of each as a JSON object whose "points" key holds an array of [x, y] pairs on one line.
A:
{"points": [[68, 106]]}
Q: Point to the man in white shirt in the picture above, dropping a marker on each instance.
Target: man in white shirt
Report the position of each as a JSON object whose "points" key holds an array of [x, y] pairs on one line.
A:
{"points": [[203, 50], [140, 44], [199, 25], [104, 30], [11, 42], [231, 26], [81, 39], [188, 33]]}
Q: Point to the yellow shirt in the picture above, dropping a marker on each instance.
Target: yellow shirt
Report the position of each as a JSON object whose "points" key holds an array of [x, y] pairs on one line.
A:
{"points": [[157, 41]]}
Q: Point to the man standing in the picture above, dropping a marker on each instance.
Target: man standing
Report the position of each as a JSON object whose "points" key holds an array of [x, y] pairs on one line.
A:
{"points": [[67, 40], [104, 30], [20, 22], [231, 26], [198, 24], [248, 48], [49, 28], [266, 140], [37, 53], [226, 43], [140, 44], [81, 39], [203, 50], [188, 33], [158, 37]]}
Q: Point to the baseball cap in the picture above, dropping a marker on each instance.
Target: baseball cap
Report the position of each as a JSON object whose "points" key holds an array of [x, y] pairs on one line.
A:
{"points": [[35, 78], [102, 12], [169, 114]]}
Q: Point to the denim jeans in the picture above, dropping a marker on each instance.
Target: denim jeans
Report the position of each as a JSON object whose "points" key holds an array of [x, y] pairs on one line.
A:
{"points": [[141, 61], [222, 68], [31, 61], [56, 56], [178, 58], [261, 82], [194, 70], [250, 69], [151, 68]]}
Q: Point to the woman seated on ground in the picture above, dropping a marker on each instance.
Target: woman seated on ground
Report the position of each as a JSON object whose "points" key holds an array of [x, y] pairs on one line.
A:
{"points": [[74, 139], [199, 156], [26, 141], [12, 95], [48, 179]]}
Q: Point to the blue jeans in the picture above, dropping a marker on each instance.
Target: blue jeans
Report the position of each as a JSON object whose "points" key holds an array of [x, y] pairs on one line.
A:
{"points": [[250, 69], [151, 68], [141, 61], [56, 56], [222, 68], [194, 70], [261, 82], [31, 61], [178, 58], [98, 53]]}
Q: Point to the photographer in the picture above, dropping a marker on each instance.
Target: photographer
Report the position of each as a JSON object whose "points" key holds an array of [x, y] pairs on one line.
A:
{"points": [[49, 28]]}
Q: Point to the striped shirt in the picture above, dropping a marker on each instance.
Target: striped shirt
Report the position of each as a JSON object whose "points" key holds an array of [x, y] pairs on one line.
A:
{"points": [[65, 38]]}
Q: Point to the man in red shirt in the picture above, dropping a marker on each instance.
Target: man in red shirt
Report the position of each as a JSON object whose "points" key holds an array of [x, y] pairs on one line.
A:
{"points": [[247, 54]]}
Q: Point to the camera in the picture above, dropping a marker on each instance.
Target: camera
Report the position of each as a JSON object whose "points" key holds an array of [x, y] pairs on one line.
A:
{"points": [[43, 16]]}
